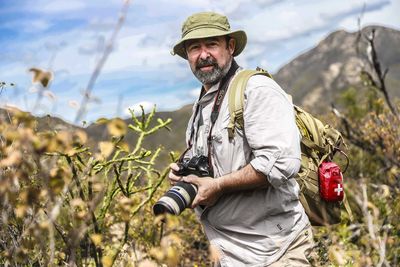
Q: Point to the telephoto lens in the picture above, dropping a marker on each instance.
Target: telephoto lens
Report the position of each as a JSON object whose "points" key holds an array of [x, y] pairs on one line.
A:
{"points": [[182, 194], [176, 199]]}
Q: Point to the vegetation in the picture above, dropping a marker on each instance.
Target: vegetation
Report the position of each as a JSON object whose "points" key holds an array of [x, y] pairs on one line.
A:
{"points": [[370, 124], [62, 202]]}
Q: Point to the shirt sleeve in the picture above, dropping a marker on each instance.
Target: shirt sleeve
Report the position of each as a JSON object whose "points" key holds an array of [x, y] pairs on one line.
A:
{"points": [[271, 131]]}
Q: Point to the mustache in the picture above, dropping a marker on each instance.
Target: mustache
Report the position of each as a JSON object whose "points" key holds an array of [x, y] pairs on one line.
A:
{"points": [[206, 62]]}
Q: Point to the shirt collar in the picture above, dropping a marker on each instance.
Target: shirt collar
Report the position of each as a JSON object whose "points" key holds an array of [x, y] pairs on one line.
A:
{"points": [[209, 95]]}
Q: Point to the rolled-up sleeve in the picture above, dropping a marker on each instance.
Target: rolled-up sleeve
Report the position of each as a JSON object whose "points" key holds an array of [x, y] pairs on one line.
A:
{"points": [[271, 131]]}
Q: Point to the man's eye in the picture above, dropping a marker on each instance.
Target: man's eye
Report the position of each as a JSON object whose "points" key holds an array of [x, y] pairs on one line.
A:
{"points": [[213, 44], [193, 47]]}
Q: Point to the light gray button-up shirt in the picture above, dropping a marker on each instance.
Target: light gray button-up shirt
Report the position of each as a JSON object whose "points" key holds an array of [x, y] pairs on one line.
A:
{"points": [[253, 228]]}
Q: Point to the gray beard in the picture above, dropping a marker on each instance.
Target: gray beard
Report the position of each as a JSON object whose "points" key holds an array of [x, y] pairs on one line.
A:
{"points": [[213, 77]]}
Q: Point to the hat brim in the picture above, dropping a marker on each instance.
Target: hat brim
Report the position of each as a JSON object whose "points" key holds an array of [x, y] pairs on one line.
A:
{"points": [[239, 35]]}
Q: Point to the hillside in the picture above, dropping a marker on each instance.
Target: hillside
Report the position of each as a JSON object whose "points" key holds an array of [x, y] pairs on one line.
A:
{"points": [[317, 77]]}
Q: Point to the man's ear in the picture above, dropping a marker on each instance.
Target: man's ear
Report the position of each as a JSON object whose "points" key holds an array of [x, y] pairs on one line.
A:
{"points": [[231, 45]]}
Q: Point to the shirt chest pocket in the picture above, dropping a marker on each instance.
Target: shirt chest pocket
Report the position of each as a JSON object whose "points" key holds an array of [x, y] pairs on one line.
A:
{"points": [[222, 148], [219, 134]]}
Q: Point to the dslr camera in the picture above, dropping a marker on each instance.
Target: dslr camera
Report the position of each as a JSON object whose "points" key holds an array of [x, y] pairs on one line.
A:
{"points": [[182, 194]]}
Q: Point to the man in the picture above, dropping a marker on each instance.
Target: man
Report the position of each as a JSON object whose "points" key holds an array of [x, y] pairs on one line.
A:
{"points": [[250, 209]]}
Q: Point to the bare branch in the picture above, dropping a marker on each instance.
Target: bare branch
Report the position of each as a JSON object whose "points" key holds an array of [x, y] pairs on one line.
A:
{"points": [[108, 49], [377, 68]]}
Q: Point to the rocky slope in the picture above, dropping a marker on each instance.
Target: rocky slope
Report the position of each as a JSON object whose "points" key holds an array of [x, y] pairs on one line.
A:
{"points": [[317, 77]]}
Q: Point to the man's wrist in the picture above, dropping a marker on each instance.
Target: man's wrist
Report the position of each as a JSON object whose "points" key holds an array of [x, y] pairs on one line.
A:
{"points": [[220, 184]]}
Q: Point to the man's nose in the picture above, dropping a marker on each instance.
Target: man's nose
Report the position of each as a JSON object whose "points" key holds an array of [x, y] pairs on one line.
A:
{"points": [[204, 53]]}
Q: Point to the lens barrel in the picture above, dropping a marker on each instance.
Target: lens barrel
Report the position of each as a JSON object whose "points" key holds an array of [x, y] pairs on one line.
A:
{"points": [[181, 196], [176, 199]]}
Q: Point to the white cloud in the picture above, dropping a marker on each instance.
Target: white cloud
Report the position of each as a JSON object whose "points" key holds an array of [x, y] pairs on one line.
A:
{"points": [[137, 108], [28, 26], [282, 22], [194, 92], [37, 25], [129, 53], [61, 6], [388, 15]]}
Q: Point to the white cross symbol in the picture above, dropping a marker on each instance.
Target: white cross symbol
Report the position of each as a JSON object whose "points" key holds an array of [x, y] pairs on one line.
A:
{"points": [[338, 189]]}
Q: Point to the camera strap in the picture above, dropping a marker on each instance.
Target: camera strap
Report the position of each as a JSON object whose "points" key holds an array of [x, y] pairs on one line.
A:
{"points": [[223, 87]]}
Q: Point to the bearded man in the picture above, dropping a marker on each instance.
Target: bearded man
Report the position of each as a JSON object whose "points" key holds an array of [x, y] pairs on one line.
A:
{"points": [[250, 208]]}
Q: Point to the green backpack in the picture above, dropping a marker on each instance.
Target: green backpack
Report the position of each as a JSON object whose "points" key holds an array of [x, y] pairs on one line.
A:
{"points": [[319, 143]]}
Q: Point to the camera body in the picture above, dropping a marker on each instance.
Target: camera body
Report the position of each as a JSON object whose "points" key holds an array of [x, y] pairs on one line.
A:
{"points": [[198, 165], [182, 194]]}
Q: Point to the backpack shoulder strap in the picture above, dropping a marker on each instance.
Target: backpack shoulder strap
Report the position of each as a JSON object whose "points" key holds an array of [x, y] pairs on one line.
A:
{"points": [[236, 98]]}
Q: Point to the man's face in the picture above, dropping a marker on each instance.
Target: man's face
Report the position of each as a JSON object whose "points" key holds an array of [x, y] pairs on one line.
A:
{"points": [[210, 58]]}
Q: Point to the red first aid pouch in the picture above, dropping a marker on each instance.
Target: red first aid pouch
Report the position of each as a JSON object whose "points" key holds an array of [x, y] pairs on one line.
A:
{"points": [[330, 182]]}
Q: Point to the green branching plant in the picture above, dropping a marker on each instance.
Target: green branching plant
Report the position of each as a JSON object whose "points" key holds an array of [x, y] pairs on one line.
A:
{"points": [[65, 203]]}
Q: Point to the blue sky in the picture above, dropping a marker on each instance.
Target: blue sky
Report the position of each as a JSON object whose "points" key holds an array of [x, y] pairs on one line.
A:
{"points": [[68, 37]]}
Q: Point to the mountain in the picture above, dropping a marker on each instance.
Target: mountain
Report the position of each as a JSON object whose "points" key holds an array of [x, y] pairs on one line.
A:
{"points": [[317, 77], [42, 123]]}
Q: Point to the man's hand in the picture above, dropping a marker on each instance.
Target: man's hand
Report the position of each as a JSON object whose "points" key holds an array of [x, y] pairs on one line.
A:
{"points": [[208, 190], [172, 177]]}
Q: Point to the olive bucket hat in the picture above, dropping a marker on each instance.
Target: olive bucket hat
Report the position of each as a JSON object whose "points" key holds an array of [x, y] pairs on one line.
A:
{"points": [[208, 24]]}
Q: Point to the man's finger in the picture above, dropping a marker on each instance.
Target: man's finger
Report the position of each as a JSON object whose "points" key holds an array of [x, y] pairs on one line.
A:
{"points": [[191, 179], [174, 166], [172, 176], [195, 202]]}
